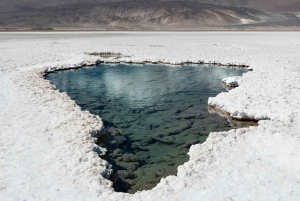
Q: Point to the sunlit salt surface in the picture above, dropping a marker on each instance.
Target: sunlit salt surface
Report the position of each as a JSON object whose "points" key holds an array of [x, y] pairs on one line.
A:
{"points": [[152, 114]]}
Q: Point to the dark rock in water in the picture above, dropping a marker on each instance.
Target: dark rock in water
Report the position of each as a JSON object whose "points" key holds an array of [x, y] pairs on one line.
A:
{"points": [[123, 174], [171, 164], [117, 153], [160, 160], [138, 147], [114, 138], [200, 116], [182, 126], [129, 158], [166, 140], [147, 141], [188, 116], [185, 117], [130, 166]]}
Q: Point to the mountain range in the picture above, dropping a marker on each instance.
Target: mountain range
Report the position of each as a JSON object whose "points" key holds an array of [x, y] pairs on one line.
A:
{"points": [[139, 15], [268, 5]]}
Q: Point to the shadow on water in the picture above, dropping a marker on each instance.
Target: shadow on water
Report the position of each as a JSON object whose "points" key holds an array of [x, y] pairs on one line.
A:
{"points": [[152, 115]]}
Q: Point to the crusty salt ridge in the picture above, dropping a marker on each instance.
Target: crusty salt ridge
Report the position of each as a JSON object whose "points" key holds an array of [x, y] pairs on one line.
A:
{"points": [[46, 140], [232, 81]]}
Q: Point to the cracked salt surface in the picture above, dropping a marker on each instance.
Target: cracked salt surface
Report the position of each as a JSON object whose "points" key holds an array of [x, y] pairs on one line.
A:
{"points": [[45, 139]]}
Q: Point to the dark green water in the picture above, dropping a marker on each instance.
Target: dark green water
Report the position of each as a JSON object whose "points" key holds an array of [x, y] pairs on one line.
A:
{"points": [[152, 114]]}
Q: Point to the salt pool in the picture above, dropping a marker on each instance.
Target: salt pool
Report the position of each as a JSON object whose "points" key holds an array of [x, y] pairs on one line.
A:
{"points": [[152, 114]]}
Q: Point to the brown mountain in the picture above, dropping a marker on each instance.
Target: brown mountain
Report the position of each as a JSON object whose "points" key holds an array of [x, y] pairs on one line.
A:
{"points": [[270, 5], [17, 5], [167, 15]]}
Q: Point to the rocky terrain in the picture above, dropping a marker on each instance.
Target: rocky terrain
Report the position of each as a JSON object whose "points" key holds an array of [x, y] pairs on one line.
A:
{"points": [[137, 15], [270, 5]]}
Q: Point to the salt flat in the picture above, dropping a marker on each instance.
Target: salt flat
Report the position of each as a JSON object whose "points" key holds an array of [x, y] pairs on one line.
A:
{"points": [[46, 139]]}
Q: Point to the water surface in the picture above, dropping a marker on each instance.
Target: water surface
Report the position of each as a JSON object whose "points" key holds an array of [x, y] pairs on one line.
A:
{"points": [[152, 114]]}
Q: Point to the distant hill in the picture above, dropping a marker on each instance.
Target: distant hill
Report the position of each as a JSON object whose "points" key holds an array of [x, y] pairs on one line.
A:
{"points": [[270, 5], [136, 15]]}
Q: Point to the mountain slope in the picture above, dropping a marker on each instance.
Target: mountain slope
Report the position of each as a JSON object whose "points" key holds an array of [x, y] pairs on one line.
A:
{"points": [[143, 14], [15, 5], [271, 5]]}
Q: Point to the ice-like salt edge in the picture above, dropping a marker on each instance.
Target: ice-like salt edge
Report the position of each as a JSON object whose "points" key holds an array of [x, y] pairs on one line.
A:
{"points": [[46, 140], [232, 81]]}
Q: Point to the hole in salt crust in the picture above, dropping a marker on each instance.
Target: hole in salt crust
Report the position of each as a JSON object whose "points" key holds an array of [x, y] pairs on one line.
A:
{"points": [[152, 115]]}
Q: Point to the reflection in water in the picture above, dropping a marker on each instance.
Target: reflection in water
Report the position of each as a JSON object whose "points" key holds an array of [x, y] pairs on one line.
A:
{"points": [[152, 114]]}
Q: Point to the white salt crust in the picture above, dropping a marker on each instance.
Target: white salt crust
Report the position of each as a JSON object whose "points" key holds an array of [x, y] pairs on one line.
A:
{"points": [[232, 81], [46, 140]]}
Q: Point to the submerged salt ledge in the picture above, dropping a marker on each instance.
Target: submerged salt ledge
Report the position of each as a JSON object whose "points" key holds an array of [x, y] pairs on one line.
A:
{"points": [[232, 81], [279, 98], [46, 142]]}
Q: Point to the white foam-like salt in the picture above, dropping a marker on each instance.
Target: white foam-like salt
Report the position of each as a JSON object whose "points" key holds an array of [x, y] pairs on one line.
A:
{"points": [[231, 81]]}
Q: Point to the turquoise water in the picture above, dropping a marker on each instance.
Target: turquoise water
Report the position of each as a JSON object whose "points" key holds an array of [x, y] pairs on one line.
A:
{"points": [[152, 114]]}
